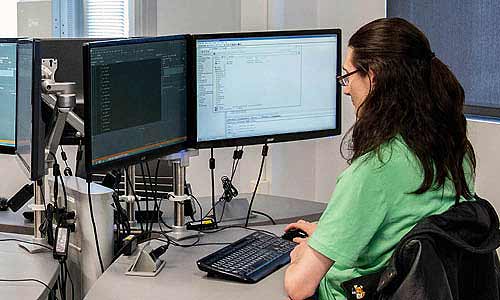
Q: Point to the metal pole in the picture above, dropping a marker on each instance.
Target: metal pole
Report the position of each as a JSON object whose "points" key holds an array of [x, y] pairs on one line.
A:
{"points": [[39, 189], [179, 172], [129, 184], [180, 161]]}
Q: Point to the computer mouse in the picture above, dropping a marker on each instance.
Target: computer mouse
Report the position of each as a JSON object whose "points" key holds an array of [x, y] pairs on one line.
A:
{"points": [[293, 233], [29, 215]]}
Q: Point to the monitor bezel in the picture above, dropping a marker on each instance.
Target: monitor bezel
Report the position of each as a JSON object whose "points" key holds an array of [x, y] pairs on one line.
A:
{"points": [[136, 158], [37, 169], [264, 139], [11, 150]]}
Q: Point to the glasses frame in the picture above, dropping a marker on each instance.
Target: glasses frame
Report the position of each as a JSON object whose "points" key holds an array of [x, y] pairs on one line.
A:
{"points": [[343, 80]]}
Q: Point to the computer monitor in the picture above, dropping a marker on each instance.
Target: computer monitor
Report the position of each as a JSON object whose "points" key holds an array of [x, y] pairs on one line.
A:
{"points": [[30, 129], [256, 88], [8, 96], [135, 100]]}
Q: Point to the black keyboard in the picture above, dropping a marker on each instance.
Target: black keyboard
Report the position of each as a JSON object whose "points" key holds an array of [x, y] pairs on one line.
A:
{"points": [[249, 259]]}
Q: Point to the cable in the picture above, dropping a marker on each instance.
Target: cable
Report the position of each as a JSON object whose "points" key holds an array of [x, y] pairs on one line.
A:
{"points": [[166, 225], [55, 169], [197, 241], [199, 205], [43, 227], [21, 241], [161, 232], [180, 245], [79, 155], [67, 170], [229, 190], [195, 245], [154, 191], [58, 286], [223, 209], [237, 156], [122, 218], [57, 174], [93, 225], [157, 203], [61, 282], [43, 199], [64, 192], [238, 227], [147, 197], [265, 149], [24, 280], [71, 282], [211, 165], [265, 215]]}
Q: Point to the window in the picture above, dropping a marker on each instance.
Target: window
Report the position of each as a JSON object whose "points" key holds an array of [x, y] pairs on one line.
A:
{"points": [[464, 35], [67, 19], [106, 18]]}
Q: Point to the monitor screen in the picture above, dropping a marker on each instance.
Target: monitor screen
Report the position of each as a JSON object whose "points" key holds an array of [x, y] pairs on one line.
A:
{"points": [[254, 88], [7, 96], [30, 129], [136, 100]]}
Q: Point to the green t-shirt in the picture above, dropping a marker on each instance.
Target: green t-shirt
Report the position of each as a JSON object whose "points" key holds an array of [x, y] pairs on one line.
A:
{"points": [[371, 209]]}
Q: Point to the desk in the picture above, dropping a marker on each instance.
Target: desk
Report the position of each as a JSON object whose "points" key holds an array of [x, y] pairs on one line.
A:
{"points": [[181, 279], [14, 222], [16, 263]]}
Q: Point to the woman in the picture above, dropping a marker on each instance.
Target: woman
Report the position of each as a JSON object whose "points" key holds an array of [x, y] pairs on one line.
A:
{"points": [[410, 158]]}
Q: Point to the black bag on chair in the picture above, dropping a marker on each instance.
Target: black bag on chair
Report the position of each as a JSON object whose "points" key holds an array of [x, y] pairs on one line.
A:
{"points": [[447, 256]]}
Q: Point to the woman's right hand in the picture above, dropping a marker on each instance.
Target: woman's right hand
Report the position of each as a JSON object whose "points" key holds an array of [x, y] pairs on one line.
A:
{"points": [[305, 226]]}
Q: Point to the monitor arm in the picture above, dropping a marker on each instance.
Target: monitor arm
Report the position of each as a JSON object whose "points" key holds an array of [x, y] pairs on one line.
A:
{"points": [[51, 90], [60, 97]]}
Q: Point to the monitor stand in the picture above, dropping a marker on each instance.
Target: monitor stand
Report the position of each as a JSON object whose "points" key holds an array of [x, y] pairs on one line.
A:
{"points": [[180, 161]]}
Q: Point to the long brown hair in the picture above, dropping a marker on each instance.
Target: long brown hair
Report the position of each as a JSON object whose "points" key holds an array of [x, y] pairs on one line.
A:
{"points": [[414, 95]]}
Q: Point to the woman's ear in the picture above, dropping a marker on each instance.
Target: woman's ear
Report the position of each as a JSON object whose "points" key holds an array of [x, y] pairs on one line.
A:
{"points": [[372, 77]]}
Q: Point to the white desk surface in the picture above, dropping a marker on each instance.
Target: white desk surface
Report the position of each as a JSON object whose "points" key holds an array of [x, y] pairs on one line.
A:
{"points": [[17, 263], [181, 278]]}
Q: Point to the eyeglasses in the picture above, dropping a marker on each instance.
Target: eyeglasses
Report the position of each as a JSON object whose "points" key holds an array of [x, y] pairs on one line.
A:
{"points": [[344, 79]]}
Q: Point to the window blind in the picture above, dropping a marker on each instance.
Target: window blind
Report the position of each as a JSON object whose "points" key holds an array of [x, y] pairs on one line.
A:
{"points": [[107, 18]]}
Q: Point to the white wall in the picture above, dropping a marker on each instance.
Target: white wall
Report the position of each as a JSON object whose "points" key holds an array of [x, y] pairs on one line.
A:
{"points": [[485, 138], [8, 18], [194, 16], [34, 18]]}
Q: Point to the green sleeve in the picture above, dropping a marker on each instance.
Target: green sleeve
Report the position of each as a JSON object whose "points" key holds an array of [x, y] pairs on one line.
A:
{"points": [[353, 216]]}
